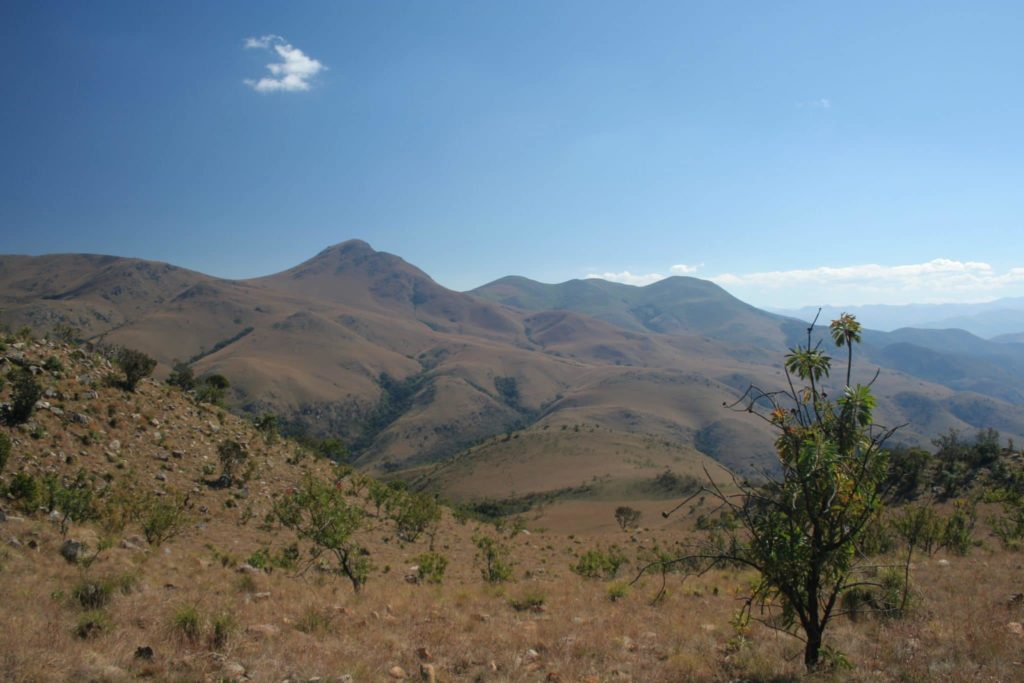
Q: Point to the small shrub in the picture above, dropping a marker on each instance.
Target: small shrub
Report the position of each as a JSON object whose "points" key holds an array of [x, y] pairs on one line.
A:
{"points": [[413, 513], [5, 450], [492, 557], [532, 601], [627, 517], [188, 623], [431, 567], [135, 365], [92, 624], [162, 520], [92, 594], [617, 591], [597, 563], [26, 492], [25, 391], [315, 621], [223, 627]]}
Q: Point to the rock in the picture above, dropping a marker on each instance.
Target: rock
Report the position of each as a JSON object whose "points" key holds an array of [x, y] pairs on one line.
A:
{"points": [[263, 630], [344, 678], [427, 673], [264, 595], [178, 454], [233, 670], [1016, 628], [70, 550], [246, 568], [160, 476], [144, 652], [397, 672], [114, 445], [532, 655]]}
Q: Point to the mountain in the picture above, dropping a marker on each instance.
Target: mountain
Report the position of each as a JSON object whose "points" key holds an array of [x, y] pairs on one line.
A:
{"points": [[557, 386], [987, 320]]}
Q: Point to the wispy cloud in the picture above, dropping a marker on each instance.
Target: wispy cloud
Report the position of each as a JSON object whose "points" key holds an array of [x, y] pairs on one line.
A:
{"points": [[293, 73], [643, 279], [938, 279], [820, 103]]}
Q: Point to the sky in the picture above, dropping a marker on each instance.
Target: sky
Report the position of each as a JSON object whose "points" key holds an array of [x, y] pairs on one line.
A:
{"points": [[796, 153]]}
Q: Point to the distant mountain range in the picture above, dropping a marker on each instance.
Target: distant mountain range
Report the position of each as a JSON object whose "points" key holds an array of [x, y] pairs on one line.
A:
{"points": [[1001, 320], [516, 386]]}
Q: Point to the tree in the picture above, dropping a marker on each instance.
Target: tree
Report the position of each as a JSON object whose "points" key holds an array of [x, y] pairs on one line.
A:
{"points": [[231, 454], [803, 531], [135, 365], [627, 517], [318, 512], [182, 376], [213, 389], [25, 391], [267, 425]]}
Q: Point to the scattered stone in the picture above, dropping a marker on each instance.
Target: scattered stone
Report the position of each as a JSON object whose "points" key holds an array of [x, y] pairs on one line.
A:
{"points": [[397, 672], [264, 595], [344, 678], [246, 568], [234, 670], [114, 445], [70, 550], [160, 476], [943, 562], [263, 630], [532, 655], [1016, 628]]}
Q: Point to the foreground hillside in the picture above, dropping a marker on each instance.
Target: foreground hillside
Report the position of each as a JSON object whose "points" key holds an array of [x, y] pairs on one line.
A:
{"points": [[226, 592], [360, 345]]}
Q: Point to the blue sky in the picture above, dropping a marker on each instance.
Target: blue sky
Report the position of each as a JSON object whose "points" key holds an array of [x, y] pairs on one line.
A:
{"points": [[796, 153]]}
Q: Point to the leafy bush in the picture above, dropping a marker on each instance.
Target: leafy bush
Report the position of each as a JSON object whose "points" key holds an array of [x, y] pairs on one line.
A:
{"points": [[188, 623], [492, 557], [431, 567], [413, 513], [25, 392], [92, 594], [317, 511], [26, 492], [135, 365], [597, 563], [5, 450], [223, 627], [162, 520], [617, 591]]}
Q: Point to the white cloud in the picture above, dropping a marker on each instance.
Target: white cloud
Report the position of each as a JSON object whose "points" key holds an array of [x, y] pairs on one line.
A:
{"points": [[820, 103], [938, 279], [643, 279], [627, 278], [292, 74]]}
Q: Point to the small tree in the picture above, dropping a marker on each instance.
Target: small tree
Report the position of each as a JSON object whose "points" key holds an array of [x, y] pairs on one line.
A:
{"points": [[231, 454], [182, 376], [413, 513], [627, 517], [492, 557], [213, 389], [267, 425], [25, 391], [135, 365], [803, 532], [318, 512]]}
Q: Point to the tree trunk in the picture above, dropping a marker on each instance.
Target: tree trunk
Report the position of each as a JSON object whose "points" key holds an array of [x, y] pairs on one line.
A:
{"points": [[812, 649]]}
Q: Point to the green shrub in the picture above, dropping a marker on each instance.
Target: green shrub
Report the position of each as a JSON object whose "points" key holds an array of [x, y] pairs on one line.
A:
{"points": [[431, 567], [135, 365], [413, 513], [92, 624], [532, 601], [162, 520], [597, 563], [93, 594], [25, 391], [617, 591], [223, 627], [26, 492], [5, 450], [492, 557], [188, 623]]}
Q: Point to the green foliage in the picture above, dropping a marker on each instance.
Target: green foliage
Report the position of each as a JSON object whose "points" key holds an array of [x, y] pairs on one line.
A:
{"points": [[508, 391], [92, 594], [222, 628], [73, 499], [597, 563], [92, 624], [135, 365], [318, 512], [627, 517], [492, 558], [431, 567], [530, 601], [957, 536], [25, 391], [286, 558], [232, 455], [1009, 528], [26, 492], [182, 377], [213, 389], [920, 527], [617, 591], [413, 513], [162, 520], [804, 533], [188, 623], [267, 425], [908, 472], [5, 450], [53, 365]]}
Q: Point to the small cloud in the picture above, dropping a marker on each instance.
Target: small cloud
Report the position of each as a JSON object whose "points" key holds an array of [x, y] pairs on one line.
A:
{"points": [[627, 278], [292, 74], [921, 280], [683, 269], [820, 103]]}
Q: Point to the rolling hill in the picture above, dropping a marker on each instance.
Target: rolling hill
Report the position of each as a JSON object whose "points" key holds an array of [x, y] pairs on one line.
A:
{"points": [[444, 386]]}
